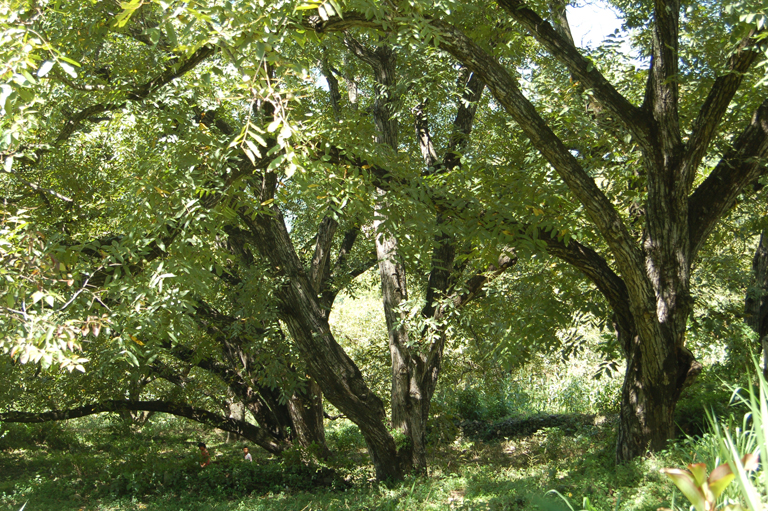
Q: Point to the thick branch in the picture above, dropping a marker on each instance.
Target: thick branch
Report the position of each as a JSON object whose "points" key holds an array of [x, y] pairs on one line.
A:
{"points": [[715, 106], [242, 428], [599, 209], [596, 269], [421, 126], [474, 285], [472, 90], [562, 49], [333, 86], [739, 167], [663, 90]]}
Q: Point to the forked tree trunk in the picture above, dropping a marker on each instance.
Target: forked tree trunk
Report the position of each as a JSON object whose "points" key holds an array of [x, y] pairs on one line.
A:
{"points": [[339, 378], [344, 386]]}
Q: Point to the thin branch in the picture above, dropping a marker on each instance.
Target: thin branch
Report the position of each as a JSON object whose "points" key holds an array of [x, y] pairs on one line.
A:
{"points": [[59, 76], [175, 70]]}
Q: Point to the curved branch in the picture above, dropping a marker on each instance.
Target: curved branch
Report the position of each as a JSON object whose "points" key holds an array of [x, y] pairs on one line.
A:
{"points": [[739, 167], [714, 107], [597, 270], [474, 285], [599, 209], [563, 49], [242, 428], [175, 70]]}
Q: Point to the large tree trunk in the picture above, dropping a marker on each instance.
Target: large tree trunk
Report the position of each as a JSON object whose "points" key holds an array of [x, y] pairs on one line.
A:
{"points": [[756, 303], [339, 378], [306, 409], [646, 416]]}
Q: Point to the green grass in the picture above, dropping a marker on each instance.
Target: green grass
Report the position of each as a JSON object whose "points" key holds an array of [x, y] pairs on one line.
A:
{"points": [[95, 466]]}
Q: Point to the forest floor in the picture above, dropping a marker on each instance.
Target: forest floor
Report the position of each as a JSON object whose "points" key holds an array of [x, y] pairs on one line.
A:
{"points": [[94, 464]]}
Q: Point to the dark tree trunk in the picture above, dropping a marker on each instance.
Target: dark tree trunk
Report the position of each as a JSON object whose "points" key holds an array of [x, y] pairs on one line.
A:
{"points": [[646, 416], [756, 303], [339, 378], [306, 409]]}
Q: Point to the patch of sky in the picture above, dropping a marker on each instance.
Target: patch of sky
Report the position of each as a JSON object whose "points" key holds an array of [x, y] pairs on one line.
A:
{"points": [[591, 22], [594, 21]]}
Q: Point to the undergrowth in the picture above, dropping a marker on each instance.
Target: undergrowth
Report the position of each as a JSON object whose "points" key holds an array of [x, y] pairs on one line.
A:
{"points": [[104, 463], [91, 465]]}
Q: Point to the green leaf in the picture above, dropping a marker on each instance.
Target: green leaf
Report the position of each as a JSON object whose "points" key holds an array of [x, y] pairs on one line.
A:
{"points": [[45, 68], [687, 486], [70, 70], [254, 149], [699, 471]]}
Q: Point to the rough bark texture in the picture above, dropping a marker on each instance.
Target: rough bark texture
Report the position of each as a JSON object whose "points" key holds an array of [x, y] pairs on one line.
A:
{"points": [[652, 297], [327, 363], [756, 303], [306, 411]]}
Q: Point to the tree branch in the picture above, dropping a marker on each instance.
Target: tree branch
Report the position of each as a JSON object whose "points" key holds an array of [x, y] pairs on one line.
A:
{"points": [[740, 166], [175, 70], [662, 95], [319, 269], [714, 107], [471, 92], [242, 428], [563, 49], [423, 139], [506, 91]]}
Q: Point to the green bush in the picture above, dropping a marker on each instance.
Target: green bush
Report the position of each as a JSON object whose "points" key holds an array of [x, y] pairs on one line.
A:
{"points": [[468, 406], [707, 394], [345, 437]]}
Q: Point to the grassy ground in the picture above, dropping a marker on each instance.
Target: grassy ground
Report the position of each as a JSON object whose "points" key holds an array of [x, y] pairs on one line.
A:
{"points": [[93, 465]]}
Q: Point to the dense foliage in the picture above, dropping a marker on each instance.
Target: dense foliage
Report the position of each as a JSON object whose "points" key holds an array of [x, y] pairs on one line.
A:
{"points": [[190, 189]]}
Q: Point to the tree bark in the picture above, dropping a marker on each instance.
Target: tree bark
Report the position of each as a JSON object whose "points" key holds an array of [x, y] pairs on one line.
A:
{"points": [[339, 378], [756, 303], [242, 428], [306, 409]]}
